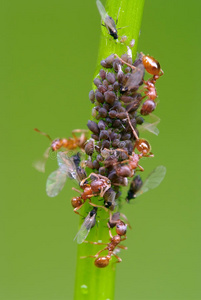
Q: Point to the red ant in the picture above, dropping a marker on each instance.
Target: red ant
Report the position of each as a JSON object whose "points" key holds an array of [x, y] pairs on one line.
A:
{"points": [[97, 187], [121, 228], [70, 144]]}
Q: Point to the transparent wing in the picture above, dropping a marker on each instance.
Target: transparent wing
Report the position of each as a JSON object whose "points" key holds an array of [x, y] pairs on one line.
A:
{"points": [[101, 10], [39, 164], [153, 180], [134, 79], [67, 165], [55, 183], [151, 127], [85, 229]]}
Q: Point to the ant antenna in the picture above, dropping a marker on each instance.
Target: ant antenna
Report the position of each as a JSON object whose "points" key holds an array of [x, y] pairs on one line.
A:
{"points": [[43, 133]]}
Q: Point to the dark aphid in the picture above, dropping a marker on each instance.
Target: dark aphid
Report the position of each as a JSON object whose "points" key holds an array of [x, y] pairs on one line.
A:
{"points": [[111, 78], [102, 89], [135, 185], [92, 96], [110, 87], [110, 59], [89, 222], [97, 82], [102, 112], [102, 74], [109, 199], [99, 158], [89, 147], [76, 158], [99, 97], [93, 127], [106, 144], [101, 125], [109, 22], [96, 164], [151, 182], [104, 134], [110, 97], [134, 80], [81, 173], [95, 137]]}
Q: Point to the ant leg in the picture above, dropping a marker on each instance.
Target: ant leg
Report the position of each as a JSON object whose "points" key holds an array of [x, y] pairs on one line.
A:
{"points": [[96, 205], [134, 132], [129, 65], [141, 168], [75, 209], [96, 255], [122, 247], [118, 258], [74, 189], [123, 239], [110, 233]]}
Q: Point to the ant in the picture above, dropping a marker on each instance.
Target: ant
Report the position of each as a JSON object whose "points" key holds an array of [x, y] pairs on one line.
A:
{"points": [[121, 229], [141, 145], [70, 144], [152, 66], [97, 187]]}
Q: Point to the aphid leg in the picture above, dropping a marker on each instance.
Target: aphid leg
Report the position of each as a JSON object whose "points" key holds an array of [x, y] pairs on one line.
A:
{"points": [[134, 132]]}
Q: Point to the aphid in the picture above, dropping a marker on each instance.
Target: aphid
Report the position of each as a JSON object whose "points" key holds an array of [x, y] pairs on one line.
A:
{"points": [[89, 222], [103, 261], [109, 199], [70, 144], [152, 181], [109, 22], [152, 66], [56, 180], [89, 147]]}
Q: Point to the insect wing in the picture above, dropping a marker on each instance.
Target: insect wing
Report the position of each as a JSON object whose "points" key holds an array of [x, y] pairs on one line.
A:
{"points": [[101, 10], [39, 164], [153, 180], [55, 182], [67, 165], [88, 223], [151, 127]]}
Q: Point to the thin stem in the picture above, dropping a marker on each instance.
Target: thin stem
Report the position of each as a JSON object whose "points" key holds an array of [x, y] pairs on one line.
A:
{"points": [[92, 282]]}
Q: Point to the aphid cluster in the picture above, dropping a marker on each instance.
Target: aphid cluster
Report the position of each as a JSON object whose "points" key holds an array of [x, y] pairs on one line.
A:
{"points": [[110, 158]]}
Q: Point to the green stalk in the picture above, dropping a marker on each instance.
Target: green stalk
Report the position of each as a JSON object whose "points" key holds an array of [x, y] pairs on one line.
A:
{"points": [[92, 282]]}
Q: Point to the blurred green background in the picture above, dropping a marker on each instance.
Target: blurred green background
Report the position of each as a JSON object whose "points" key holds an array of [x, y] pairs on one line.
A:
{"points": [[48, 55]]}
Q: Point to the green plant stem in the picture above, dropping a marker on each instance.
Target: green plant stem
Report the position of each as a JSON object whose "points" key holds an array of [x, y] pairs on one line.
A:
{"points": [[92, 282]]}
